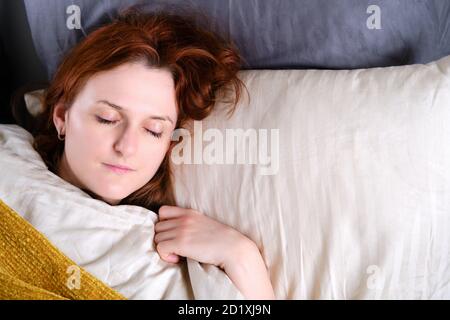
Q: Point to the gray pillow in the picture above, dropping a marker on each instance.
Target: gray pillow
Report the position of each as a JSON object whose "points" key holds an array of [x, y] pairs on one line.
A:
{"points": [[278, 34]]}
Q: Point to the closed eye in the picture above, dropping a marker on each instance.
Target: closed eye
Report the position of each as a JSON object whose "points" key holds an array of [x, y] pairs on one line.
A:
{"points": [[104, 121], [155, 134], [101, 120]]}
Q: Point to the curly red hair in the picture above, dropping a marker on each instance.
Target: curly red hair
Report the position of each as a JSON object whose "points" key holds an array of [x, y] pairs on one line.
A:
{"points": [[201, 62]]}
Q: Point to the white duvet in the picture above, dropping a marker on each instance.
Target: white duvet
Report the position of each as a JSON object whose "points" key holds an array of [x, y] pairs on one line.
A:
{"points": [[114, 243], [353, 201]]}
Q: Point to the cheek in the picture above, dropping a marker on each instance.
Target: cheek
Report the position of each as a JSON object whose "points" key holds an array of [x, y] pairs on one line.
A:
{"points": [[85, 139], [152, 156]]}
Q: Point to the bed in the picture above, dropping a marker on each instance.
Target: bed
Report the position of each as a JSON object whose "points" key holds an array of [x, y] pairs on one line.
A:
{"points": [[350, 101]]}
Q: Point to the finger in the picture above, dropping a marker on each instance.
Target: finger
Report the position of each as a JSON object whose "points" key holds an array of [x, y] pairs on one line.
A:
{"points": [[170, 212], [166, 225], [173, 258], [166, 250], [165, 236]]}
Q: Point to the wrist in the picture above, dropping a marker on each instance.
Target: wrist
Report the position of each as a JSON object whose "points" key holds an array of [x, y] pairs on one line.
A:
{"points": [[242, 250], [249, 273]]}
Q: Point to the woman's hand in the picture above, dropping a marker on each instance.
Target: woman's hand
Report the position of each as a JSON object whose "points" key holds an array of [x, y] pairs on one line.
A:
{"points": [[188, 233]]}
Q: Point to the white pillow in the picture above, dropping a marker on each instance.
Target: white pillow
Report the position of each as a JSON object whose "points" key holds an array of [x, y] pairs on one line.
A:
{"points": [[114, 243], [359, 207]]}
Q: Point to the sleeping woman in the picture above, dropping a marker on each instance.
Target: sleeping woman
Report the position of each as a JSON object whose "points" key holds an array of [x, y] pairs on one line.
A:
{"points": [[110, 112]]}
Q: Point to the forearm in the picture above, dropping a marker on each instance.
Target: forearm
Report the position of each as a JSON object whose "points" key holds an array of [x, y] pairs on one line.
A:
{"points": [[248, 272]]}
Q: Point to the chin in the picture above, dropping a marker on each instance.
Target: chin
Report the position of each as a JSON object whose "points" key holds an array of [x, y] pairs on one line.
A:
{"points": [[114, 196]]}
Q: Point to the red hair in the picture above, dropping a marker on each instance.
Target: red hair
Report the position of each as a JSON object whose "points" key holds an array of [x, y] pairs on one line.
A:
{"points": [[201, 62]]}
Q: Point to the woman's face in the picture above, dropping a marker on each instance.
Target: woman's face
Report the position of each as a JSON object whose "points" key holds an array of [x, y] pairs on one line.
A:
{"points": [[121, 117]]}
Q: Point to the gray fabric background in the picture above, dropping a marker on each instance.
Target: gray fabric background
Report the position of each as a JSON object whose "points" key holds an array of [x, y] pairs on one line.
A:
{"points": [[279, 33]]}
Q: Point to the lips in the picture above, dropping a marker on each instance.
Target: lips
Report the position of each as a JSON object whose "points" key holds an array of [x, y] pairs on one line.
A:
{"points": [[117, 168]]}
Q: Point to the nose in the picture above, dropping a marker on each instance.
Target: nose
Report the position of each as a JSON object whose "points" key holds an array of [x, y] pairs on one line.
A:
{"points": [[127, 141]]}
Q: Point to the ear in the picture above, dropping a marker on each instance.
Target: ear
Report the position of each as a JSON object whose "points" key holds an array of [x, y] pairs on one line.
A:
{"points": [[59, 117]]}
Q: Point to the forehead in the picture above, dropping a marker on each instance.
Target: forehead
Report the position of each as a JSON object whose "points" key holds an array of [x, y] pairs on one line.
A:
{"points": [[136, 87]]}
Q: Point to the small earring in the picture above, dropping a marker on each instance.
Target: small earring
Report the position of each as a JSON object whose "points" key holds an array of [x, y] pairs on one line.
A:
{"points": [[59, 137]]}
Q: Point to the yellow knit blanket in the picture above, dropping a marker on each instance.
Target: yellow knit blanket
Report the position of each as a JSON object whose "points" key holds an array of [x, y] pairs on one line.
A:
{"points": [[32, 268]]}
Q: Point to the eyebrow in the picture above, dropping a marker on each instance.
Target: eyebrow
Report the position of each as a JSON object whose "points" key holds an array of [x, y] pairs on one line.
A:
{"points": [[115, 106]]}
